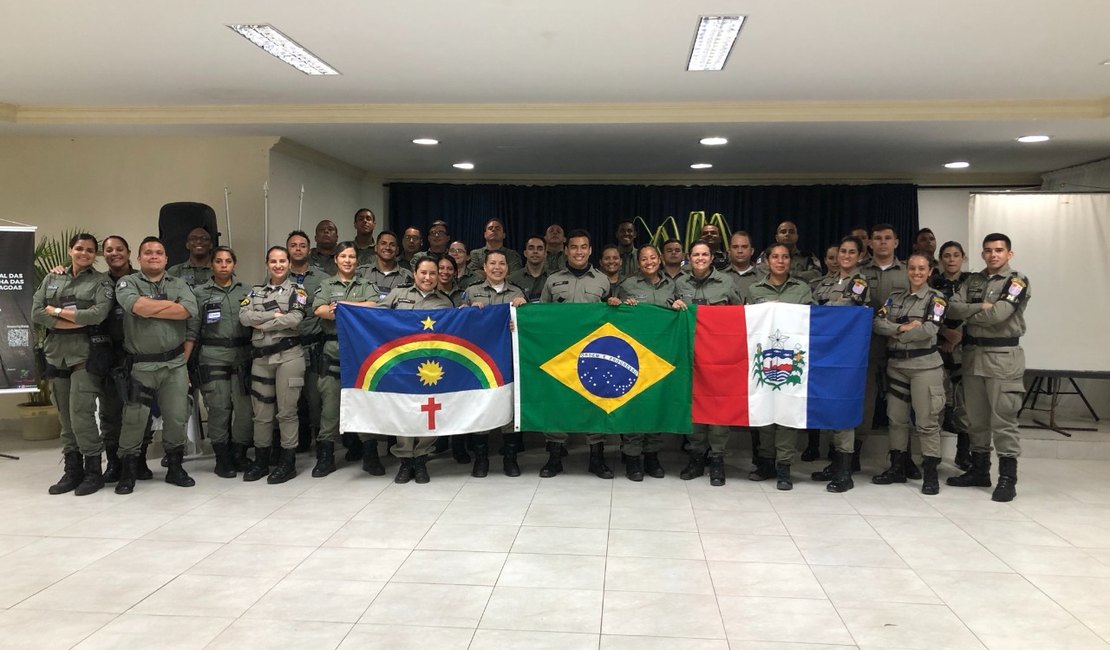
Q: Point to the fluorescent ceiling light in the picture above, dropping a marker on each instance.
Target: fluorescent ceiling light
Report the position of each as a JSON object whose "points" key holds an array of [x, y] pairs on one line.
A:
{"points": [[958, 165], [713, 142], [714, 40], [463, 165], [426, 141], [284, 48], [700, 166], [1034, 138]]}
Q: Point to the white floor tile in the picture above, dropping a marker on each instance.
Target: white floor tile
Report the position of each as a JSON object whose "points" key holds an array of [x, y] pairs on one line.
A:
{"points": [[544, 610]]}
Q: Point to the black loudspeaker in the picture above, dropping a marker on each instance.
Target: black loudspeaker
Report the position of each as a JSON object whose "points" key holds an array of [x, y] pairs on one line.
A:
{"points": [[175, 220]]}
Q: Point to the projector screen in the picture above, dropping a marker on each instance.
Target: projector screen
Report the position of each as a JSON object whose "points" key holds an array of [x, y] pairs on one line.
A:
{"points": [[1062, 242]]}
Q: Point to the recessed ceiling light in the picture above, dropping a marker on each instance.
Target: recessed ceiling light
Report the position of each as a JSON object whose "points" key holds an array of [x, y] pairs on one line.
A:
{"points": [[958, 165], [700, 166], [713, 142], [1034, 138], [714, 40], [428, 141], [463, 165], [284, 48]]}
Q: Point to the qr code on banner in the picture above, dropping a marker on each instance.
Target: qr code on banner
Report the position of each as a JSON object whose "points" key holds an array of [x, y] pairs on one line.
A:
{"points": [[19, 337]]}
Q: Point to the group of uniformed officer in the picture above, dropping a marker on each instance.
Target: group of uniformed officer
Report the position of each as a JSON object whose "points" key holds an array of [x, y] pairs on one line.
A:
{"points": [[268, 354]]}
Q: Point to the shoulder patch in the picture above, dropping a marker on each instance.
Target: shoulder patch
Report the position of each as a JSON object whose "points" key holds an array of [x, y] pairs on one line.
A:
{"points": [[937, 307], [859, 285], [1015, 290], [122, 284], [246, 300]]}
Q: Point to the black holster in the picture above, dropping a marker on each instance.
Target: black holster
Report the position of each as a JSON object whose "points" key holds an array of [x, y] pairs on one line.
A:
{"points": [[244, 372], [101, 355]]}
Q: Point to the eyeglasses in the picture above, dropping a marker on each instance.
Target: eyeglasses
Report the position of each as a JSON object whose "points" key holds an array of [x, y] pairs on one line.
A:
{"points": [[412, 237]]}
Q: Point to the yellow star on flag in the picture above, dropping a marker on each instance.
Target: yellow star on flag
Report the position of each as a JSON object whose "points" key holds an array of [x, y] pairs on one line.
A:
{"points": [[428, 323]]}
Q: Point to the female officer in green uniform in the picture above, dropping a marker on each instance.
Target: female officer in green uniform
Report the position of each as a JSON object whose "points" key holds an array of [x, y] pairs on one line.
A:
{"points": [[846, 287], [948, 281], [70, 305], [649, 287], [223, 361], [911, 319], [448, 274], [413, 451], [274, 310], [494, 290], [347, 288]]}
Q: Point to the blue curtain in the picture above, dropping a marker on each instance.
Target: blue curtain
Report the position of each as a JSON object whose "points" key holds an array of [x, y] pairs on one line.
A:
{"points": [[824, 213]]}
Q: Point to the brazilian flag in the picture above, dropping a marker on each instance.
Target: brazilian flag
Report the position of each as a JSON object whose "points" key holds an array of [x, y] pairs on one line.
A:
{"points": [[592, 368]]}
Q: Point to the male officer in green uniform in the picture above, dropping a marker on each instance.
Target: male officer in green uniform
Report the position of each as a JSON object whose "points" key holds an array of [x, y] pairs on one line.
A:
{"points": [[803, 265], [992, 303], [196, 270], [626, 246], [579, 282], [309, 277], [438, 239], [385, 273], [221, 347], [322, 256], [533, 275], [364, 236], [70, 305], [776, 442], [494, 235], [157, 308], [555, 241], [740, 267]]}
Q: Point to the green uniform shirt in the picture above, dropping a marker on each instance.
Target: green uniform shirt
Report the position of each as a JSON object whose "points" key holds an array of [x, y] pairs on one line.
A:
{"points": [[556, 261], [310, 280], [222, 339], [333, 290], [413, 298], [803, 266], [385, 282], [194, 276], [90, 293], [714, 289], [366, 256], [792, 291], [154, 335], [259, 308], [564, 286], [884, 281], [643, 291], [630, 262], [838, 291], [323, 261], [903, 306], [477, 261], [483, 293], [745, 280], [531, 285], [1008, 290]]}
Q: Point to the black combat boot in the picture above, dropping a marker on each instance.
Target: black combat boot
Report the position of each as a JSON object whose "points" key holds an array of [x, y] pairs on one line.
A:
{"points": [[239, 460], [224, 467], [458, 449], [325, 459], [126, 482], [651, 465], [371, 462], [897, 471], [633, 467], [420, 469], [842, 475], [175, 472], [930, 484], [695, 467], [142, 470], [1007, 479], [963, 451], [764, 469], [830, 470], [261, 465], [353, 445], [782, 477], [716, 471], [286, 467], [908, 467], [404, 471], [511, 445], [111, 463], [72, 473], [554, 464], [597, 464], [94, 478], [978, 476], [481, 456], [813, 445]]}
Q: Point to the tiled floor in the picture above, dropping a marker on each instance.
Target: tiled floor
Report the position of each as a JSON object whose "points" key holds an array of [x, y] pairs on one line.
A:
{"points": [[352, 561]]}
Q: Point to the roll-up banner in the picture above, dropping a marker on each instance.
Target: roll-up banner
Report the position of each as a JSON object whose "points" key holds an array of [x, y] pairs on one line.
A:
{"points": [[17, 287]]}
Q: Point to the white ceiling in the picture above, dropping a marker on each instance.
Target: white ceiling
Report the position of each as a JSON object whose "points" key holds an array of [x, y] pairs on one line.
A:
{"points": [[814, 89]]}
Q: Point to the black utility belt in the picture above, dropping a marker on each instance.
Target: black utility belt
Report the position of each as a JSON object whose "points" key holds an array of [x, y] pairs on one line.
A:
{"points": [[281, 346], [83, 331], [158, 356], [311, 339], [217, 342], [991, 342], [910, 354]]}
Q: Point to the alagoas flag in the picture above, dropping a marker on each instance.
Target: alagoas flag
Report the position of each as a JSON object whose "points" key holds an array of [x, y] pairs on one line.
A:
{"points": [[424, 372], [795, 365], [592, 368]]}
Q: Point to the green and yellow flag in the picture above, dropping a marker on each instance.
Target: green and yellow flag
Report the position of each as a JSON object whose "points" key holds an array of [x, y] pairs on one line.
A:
{"points": [[601, 369]]}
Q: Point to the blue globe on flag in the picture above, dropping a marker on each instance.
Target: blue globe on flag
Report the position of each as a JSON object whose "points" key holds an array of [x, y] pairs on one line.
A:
{"points": [[608, 367]]}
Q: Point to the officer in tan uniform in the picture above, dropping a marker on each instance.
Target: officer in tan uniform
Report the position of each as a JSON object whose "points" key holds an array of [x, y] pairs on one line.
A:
{"points": [[910, 320], [992, 303], [275, 311], [71, 306]]}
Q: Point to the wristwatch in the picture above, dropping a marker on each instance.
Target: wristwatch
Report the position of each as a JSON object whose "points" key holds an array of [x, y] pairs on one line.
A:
{"points": [[57, 311]]}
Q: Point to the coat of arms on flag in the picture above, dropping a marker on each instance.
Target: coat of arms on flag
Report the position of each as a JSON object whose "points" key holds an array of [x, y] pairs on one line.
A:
{"points": [[424, 372]]}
